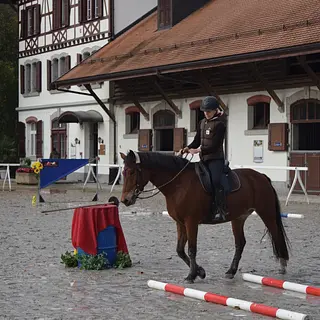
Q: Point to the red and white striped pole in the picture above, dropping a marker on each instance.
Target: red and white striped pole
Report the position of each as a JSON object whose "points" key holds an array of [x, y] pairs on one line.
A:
{"points": [[282, 284], [230, 302]]}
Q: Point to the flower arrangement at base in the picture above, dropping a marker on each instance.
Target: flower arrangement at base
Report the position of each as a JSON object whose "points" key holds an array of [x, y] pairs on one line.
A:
{"points": [[27, 174], [37, 167]]}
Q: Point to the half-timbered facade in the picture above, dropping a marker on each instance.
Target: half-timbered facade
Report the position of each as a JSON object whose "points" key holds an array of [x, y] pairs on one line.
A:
{"points": [[264, 71], [55, 36]]}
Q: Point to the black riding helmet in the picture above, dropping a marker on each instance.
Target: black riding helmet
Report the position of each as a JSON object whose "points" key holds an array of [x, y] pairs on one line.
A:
{"points": [[209, 104]]}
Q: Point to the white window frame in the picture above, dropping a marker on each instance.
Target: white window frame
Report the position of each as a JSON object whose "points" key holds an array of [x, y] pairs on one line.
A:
{"points": [[27, 78], [32, 139]]}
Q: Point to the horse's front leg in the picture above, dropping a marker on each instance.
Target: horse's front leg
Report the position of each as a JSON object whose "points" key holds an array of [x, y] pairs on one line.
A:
{"points": [[192, 234], [182, 240]]}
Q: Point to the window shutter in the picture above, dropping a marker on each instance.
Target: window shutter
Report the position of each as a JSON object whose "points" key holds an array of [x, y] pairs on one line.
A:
{"points": [[179, 139], [167, 13], [39, 138], [48, 74], [278, 136], [22, 139], [79, 58], [66, 18], [23, 26], [38, 77], [68, 66], [100, 8], [37, 18], [22, 79], [145, 140], [68, 63], [82, 11], [56, 13]]}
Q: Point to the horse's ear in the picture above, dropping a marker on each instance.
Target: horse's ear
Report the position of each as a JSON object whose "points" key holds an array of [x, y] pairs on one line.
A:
{"points": [[122, 155], [131, 156]]}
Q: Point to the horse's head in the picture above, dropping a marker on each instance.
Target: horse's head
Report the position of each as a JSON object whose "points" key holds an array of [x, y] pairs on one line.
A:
{"points": [[135, 179]]}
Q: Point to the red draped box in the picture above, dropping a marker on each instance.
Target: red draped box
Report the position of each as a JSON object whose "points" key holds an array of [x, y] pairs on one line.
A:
{"points": [[87, 222]]}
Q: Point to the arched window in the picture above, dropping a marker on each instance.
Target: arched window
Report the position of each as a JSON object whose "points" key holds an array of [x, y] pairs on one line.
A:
{"points": [[163, 119], [258, 112], [305, 119], [132, 120], [196, 115], [59, 138]]}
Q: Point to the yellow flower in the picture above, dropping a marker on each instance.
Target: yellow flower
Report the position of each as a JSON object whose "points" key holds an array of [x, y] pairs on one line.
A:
{"points": [[36, 171], [37, 165]]}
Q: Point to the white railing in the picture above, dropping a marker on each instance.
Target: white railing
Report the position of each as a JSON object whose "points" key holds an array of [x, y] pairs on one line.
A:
{"points": [[91, 172], [7, 176], [297, 176]]}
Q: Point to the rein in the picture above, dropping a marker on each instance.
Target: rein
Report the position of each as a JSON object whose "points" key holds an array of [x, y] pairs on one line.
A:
{"points": [[138, 192]]}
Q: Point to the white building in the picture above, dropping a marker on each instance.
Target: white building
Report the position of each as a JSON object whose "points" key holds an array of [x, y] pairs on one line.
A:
{"points": [[264, 71], [55, 36]]}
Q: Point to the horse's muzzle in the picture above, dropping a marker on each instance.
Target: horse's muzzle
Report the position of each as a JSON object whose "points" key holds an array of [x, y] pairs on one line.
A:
{"points": [[130, 199]]}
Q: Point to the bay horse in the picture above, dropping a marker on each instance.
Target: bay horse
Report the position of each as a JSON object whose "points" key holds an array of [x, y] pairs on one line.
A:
{"points": [[189, 204]]}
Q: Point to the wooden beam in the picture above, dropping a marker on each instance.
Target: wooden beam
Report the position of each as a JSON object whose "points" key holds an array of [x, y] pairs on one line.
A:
{"points": [[135, 100], [166, 98], [140, 107], [309, 71], [102, 105], [208, 88], [274, 96]]}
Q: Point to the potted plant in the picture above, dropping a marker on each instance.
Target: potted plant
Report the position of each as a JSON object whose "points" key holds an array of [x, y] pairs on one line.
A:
{"points": [[25, 174]]}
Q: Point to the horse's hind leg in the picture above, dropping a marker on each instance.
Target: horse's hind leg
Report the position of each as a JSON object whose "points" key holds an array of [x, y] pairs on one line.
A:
{"points": [[276, 231], [182, 240], [240, 242]]}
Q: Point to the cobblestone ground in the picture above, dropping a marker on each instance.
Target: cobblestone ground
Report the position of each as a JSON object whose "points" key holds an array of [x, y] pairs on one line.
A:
{"points": [[35, 285]]}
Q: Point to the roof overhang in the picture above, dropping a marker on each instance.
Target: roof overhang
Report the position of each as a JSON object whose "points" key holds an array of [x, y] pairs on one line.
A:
{"points": [[80, 117], [190, 65]]}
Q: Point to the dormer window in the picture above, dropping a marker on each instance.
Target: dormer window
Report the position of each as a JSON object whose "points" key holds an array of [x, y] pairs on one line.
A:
{"points": [[164, 14]]}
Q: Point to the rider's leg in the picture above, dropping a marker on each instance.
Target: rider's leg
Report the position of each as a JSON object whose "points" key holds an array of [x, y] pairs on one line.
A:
{"points": [[216, 168]]}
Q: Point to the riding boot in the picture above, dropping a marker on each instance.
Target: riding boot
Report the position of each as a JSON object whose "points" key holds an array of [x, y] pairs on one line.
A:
{"points": [[221, 207]]}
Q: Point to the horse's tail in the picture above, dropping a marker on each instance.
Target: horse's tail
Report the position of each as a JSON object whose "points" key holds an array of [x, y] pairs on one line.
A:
{"points": [[280, 245]]}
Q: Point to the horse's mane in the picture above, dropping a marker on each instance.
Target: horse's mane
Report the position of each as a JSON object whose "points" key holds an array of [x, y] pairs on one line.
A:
{"points": [[157, 160]]}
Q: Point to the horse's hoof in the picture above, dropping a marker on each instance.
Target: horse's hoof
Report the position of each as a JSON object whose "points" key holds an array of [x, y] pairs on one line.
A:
{"points": [[201, 273], [188, 279], [229, 275], [282, 271]]}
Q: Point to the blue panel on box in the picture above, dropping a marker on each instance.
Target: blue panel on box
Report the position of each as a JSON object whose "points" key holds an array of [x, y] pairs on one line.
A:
{"points": [[55, 169], [107, 243]]}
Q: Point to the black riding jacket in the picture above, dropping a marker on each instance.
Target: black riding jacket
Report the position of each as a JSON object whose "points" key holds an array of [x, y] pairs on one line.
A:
{"points": [[211, 137]]}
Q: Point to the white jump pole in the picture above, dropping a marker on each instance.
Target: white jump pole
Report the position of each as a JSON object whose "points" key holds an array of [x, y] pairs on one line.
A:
{"points": [[230, 302], [281, 284]]}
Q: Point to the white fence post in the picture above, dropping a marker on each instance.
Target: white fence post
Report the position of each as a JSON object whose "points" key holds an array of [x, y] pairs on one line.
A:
{"points": [[7, 176], [297, 176]]}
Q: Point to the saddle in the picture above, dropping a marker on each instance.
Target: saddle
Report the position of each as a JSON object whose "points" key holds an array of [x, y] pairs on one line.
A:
{"points": [[229, 178]]}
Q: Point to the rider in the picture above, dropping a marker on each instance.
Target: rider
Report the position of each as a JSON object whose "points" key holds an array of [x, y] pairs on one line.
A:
{"points": [[209, 143]]}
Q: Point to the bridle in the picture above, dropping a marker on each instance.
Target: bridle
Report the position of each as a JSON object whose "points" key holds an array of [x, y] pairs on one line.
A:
{"points": [[139, 190]]}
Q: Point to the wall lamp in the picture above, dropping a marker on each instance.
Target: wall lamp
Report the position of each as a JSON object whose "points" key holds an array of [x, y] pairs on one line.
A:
{"points": [[76, 141], [100, 140]]}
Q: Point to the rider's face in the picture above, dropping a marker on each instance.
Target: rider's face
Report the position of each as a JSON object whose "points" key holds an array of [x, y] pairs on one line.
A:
{"points": [[209, 114]]}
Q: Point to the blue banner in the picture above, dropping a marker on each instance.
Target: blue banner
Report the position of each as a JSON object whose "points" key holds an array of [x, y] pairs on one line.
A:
{"points": [[55, 169]]}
